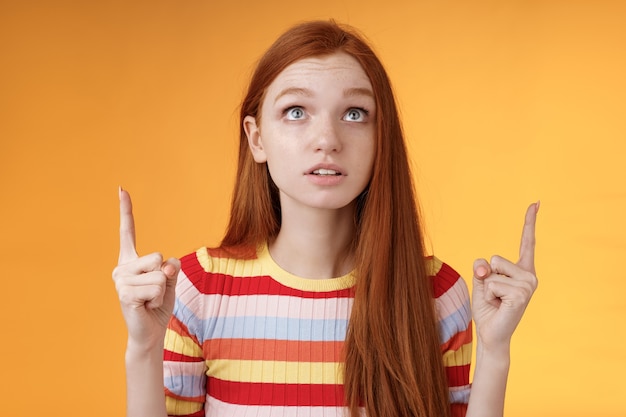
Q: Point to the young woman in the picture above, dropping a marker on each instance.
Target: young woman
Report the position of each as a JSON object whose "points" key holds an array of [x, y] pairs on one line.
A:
{"points": [[320, 300]]}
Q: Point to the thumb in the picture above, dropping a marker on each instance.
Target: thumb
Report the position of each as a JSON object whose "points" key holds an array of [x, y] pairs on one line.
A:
{"points": [[482, 269], [170, 268]]}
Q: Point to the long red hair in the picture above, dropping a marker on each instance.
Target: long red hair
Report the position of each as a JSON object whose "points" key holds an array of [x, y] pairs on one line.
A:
{"points": [[393, 363]]}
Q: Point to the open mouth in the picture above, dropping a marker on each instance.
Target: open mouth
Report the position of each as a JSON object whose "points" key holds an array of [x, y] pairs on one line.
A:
{"points": [[324, 172]]}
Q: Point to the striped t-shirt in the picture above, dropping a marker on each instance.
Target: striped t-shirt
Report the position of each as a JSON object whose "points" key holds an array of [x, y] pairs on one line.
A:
{"points": [[248, 338]]}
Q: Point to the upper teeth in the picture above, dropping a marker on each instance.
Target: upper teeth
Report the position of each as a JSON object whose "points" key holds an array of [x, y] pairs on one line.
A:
{"points": [[323, 171]]}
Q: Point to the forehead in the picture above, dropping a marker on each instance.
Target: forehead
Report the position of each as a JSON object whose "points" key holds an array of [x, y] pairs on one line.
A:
{"points": [[335, 68]]}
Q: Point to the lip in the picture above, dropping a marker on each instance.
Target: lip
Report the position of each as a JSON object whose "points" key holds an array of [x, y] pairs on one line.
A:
{"points": [[326, 180], [332, 167]]}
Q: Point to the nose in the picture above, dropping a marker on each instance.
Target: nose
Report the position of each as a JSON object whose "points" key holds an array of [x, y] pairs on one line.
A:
{"points": [[326, 137]]}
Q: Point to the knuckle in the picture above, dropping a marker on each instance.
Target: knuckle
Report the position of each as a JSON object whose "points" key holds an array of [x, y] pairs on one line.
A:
{"points": [[155, 293], [156, 258], [116, 273], [531, 280], [157, 277], [495, 260], [523, 294], [119, 272], [125, 295]]}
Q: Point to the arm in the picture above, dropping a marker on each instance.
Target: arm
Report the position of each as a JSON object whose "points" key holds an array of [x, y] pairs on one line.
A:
{"points": [[145, 287], [489, 383], [501, 292], [144, 382]]}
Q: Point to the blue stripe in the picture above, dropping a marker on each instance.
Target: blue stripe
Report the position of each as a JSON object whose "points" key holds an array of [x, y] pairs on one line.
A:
{"points": [[278, 328], [460, 396], [186, 385], [455, 322], [261, 327]]}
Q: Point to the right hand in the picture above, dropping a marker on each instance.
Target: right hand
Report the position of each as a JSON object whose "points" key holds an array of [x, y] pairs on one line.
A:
{"points": [[145, 285]]}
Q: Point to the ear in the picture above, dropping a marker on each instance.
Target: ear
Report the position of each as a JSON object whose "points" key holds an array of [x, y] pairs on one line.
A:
{"points": [[253, 132]]}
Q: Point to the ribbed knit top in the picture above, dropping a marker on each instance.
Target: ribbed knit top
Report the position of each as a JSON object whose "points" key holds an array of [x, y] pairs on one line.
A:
{"points": [[248, 338]]}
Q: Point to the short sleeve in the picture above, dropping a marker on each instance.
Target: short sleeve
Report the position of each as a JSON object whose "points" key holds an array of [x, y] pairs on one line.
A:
{"points": [[184, 366], [454, 317]]}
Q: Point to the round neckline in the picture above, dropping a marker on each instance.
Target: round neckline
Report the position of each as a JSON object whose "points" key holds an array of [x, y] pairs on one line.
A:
{"points": [[288, 279]]}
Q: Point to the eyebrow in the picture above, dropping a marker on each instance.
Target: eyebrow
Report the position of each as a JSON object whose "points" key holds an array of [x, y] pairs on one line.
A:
{"points": [[294, 91], [305, 92], [352, 92]]}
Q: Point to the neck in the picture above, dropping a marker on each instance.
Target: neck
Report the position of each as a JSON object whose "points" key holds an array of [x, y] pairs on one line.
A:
{"points": [[316, 243]]}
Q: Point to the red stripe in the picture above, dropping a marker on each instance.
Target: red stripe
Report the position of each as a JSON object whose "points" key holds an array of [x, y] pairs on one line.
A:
{"points": [[444, 280], [168, 355], [458, 410], [221, 284], [458, 376], [181, 329], [302, 395], [198, 399], [458, 339], [274, 350]]}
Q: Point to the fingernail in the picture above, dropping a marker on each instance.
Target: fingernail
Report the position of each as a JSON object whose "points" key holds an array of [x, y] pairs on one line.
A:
{"points": [[119, 191], [169, 270], [537, 204], [481, 271]]}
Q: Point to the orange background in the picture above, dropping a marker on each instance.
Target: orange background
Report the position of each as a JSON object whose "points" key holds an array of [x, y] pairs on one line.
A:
{"points": [[504, 103]]}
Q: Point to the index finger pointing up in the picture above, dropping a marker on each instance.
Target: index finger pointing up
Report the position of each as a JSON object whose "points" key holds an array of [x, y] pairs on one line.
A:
{"points": [[127, 228], [527, 245]]}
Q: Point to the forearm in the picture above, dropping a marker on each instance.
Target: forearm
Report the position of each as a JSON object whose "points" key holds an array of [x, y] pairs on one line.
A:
{"points": [[145, 396], [489, 383]]}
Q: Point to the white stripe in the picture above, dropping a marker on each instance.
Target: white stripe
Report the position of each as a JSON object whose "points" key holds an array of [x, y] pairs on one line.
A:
{"points": [[282, 306], [217, 408], [452, 300]]}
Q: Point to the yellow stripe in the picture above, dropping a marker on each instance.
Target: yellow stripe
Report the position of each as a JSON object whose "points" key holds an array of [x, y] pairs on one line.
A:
{"points": [[184, 345], [459, 357], [202, 255], [229, 266], [265, 265], [278, 372], [433, 266], [177, 407]]}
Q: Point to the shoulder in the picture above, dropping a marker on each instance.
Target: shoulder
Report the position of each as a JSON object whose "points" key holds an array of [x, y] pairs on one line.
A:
{"points": [[215, 260], [452, 299], [210, 270], [207, 274], [444, 278], [454, 320]]}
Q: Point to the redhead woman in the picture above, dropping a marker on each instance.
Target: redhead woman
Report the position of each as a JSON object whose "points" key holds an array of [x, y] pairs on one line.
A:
{"points": [[320, 300]]}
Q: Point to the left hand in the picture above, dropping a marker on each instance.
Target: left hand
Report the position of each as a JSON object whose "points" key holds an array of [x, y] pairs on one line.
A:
{"points": [[502, 290]]}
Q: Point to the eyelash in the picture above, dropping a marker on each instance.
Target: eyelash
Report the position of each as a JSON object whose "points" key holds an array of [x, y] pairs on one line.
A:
{"points": [[360, 109], [288, 109]]}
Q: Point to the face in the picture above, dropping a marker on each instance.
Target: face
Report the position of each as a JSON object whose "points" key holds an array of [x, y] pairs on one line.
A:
{"points": [[317, 132]]}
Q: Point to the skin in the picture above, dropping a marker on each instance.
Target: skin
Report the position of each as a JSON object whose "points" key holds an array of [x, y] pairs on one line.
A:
{"points": [[317, 113], [308, 121], [501, 292]]}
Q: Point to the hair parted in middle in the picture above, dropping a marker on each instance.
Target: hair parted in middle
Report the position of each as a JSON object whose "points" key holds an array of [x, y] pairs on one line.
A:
{"points": [[393, 363]]}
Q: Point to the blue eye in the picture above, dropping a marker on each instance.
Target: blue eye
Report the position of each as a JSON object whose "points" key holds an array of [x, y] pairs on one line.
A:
{"points": [[355, 115], [295, 113]]}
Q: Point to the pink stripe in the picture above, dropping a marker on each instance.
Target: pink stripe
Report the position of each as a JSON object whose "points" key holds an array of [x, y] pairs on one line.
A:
{"points": [[452, 300], [174, 369], [269, 305], [217, 408], [279, 306]]}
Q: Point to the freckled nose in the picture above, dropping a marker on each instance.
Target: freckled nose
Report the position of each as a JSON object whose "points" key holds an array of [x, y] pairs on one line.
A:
{"points": [[327, 137]]}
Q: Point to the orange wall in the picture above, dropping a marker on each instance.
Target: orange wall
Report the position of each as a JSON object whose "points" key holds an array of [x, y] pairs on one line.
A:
{"points": [[505, 102]]}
